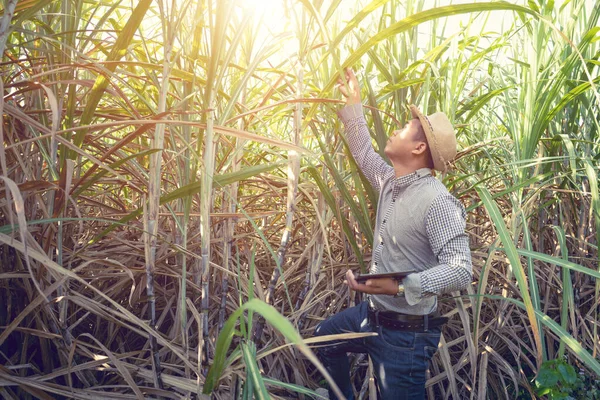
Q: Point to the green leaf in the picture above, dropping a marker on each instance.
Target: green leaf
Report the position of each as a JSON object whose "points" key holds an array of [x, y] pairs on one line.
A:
{"points": [[357, 19], [331, 202], [253, 372], [291, 387], [547, 377], [515, 262], [569, 340], [428, 15], [26, 10], [278, 321], [568, 374], [363, 222], [558, 261], [11, 228], [567, 297]]}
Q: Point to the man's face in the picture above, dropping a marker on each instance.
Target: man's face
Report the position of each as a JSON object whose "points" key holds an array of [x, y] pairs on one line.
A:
{"points": [[403, 141]]}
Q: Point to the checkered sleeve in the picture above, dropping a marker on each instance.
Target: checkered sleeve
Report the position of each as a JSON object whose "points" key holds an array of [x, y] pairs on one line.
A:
{"points": [[371, 164], [445, 227]]}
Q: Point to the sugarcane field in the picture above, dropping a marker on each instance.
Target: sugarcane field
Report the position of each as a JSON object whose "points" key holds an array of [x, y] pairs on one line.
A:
{"points": [[300, 199]]}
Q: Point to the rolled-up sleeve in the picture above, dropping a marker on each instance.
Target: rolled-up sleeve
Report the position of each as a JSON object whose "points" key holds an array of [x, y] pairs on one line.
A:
{"points": [[445, 225]]}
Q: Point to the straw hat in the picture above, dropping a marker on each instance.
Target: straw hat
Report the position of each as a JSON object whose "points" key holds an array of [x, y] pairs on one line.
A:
{"points": [[441, 137]]}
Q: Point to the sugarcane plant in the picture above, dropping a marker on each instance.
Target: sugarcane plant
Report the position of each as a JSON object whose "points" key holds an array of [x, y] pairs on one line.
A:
{"points": [[179, 206]]}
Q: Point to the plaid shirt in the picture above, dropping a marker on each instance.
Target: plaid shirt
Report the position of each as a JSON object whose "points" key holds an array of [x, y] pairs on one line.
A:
{"points": [[419, 226]]}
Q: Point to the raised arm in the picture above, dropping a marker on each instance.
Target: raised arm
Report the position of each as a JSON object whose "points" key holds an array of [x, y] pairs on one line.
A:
{"points": [[371, 164]]}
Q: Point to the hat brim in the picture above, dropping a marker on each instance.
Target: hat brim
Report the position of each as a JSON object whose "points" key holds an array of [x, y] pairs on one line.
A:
{"points": [[438, 161]]}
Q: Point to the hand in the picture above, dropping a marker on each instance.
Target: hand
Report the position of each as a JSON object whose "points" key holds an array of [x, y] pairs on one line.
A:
{"points": [[372, 286], [352, 90]]}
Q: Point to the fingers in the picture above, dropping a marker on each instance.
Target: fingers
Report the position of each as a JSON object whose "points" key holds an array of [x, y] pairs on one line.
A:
{"points": [[349, 87], [347, 76], [351, 282], [350, 74], [341, 87], [372, 286], [350, 279], [343, 90], [382, 286]]}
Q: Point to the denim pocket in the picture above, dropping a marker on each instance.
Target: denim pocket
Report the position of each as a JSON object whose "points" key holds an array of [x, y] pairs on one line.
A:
{"points": [[430, 338], [397, 340], [426, 346], [429, 352]]}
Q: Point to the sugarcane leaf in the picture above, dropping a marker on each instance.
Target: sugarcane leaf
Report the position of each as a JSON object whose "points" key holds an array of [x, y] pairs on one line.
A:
{"points": [[576, 347], [118, 51], [292, 387], [253, 372], [330, 200], [424, 16], [360, 16], [96, 177], [278, 321], [191, 189], [515, 262]]}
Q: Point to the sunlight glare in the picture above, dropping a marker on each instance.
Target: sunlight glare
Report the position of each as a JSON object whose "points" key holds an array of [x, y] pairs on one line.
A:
{"points": [[271, 12], [274, 20]]}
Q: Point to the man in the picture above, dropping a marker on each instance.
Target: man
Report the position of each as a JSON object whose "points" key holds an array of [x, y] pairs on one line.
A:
{"points": [[419, 227]]}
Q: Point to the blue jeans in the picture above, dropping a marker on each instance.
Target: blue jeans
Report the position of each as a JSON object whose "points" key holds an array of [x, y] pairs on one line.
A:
{"points": [[400, 358]]}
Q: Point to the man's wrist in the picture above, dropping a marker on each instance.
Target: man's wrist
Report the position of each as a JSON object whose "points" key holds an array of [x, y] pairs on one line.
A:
{"points": [[400, 292], [350, 112]]}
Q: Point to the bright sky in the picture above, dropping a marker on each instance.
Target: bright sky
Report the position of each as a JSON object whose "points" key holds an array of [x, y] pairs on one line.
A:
{"points": [[275, 21], [495, 23]]}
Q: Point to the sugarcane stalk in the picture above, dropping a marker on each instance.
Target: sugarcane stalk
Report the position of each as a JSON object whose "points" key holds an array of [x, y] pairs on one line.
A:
{"points": [[312, 273], [188, 177], [65, 58], [209, 140], [231, 200], [227, 244], [9, 11], [151, 230], [205, 206], [292, 190]]}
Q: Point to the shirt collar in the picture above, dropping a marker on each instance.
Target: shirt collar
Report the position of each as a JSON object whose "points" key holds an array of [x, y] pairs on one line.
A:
{"points": [[406, 180]]}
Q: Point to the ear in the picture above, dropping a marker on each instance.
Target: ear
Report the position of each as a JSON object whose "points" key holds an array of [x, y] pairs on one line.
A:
{"points": [[420, 148]]}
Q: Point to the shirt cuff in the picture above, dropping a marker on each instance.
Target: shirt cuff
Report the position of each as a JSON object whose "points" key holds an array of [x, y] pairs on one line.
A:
{"points": [[350, 112], [412, 289]]}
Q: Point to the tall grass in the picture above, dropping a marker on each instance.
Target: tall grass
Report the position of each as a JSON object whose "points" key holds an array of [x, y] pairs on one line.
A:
{"points": [[179, 204]]}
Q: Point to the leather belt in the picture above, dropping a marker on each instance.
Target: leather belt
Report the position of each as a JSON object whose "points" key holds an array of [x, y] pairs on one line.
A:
{"points": [[405, 322]]}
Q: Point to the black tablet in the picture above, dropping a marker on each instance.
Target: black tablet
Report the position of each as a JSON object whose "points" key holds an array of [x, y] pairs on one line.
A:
{"points": [[394, 275]]}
